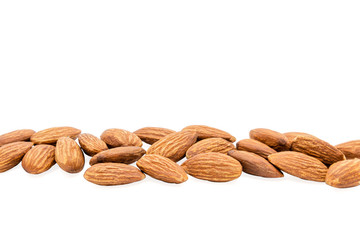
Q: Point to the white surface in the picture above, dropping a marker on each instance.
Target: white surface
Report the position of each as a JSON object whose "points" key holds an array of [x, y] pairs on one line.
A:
{"points": [[234, 65]]}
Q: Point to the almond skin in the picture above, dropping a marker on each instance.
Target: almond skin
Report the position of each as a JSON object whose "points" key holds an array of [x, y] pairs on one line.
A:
{"points": [[204, 132], [68, 155], [350, 149], [162, 168], [126, 155], [317, 148], [255, 165], [16, 136], [115, 137], [344, 174], [210, 145], [39, 159], [12, 153], [273, 139], [91, 144], [292, 135], [109, 174], [299, 165], [215, 167], [254, 146], [51, 135], [151, 135]]}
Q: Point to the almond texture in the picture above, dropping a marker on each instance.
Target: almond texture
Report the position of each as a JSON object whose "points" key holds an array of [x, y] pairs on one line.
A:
{"points": [[51, 135], [254, 146], [292, 135], [273, 139], [150, 135], [91, 144], [68, 155], [115, 137], [126, 155], [12, 153], [39, 159], [350, 149], [210, 145], [16, 136], [204, 132], [344, 174]]}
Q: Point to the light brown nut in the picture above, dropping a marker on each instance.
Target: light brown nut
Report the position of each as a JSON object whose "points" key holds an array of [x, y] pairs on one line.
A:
{"points": [[51, 135], [255, 165], [39, 159], [344, 174], [204, 132], [162, 168], [215, 167], [350, 149], [174, 145], [91, 144], [126, 155], [109, 174], [12, 153], [292, 135], [299, 165], [210, 145], [68, 155], [271, 138], [150, 135], [254, 146], [317, 148], [115, 137], [16, 136]]}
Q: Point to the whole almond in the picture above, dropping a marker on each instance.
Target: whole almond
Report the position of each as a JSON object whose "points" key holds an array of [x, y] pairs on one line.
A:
{"points": [[39, 159], [344, 174], [150, 135], [273, 139], [12, 153], [115, 137], [254, 146], [292, 135], [215, 167], [255, 165], [126, 155], [108, 174], [68, 155], [209, 132], [299, 165], [51, 135], [16, 136], [162, 168], [317, 148], [91, 144], [174, 145], [350, 149], [210, 145]]}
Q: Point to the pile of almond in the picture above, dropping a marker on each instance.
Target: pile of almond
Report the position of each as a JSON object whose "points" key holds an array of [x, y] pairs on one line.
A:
{"points": [[210, 155]]}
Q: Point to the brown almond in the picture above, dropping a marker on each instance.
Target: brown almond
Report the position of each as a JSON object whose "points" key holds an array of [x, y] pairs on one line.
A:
{"points": [[39, 159], [254, 146], [16, 136], [109, 174], [204, 132], [210, 145], [91, 144], [292, 135], [12, 153], [350, 149], [255, 165], [51, 135], [215, 167], [68, 155], [344, 174], [150, 135], [271, 138], [115, 137], [126, 155], [299, 165], [162, 168]]}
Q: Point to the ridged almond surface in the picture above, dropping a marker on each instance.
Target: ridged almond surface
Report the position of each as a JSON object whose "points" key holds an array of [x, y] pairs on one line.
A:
{"points": [[255, 165], [174, 145], [210, 145], [292, 135], [150, 135], [68, 155], [273, 139], [254, 146], [162, 168], [317, 148], [12, 153], [108, 174], [344, 174], [39, 159], [209, 132], [299, 165], [115, 137], [350, 149], [16, 136], [126, 155], [215, 167], [91, 144], [51, 135]]}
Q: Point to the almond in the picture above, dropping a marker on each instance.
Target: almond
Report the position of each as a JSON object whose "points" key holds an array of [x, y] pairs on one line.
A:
{"points": [[254, 146], [292, 135], [317, 148], [209, 132], [16, 136], [299, 165], [162, 168], [344, 174], [273, 139], [68, 155], [108, 174], [91, 144], [150, 135], [215, 167], [39, 159], [210, 145], [115, 137], [350, 149], [51, 135], [255, 165], [12, 153], [126, 155], [174, 145]]}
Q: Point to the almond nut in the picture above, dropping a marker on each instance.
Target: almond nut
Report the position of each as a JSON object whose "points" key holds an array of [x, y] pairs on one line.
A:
{"points": [[344, 174], [204, 132], [39, 159], [150, 135], [68, 155], [350, 149], [126, 155], [16, 136], [12, 153], [271, 138], [51, 135], [115, 137], [254, 146], [210, 145], [91, 144]]}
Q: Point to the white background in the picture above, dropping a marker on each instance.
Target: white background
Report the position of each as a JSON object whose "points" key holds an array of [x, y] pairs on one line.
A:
{"points": [[234, 65]]}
